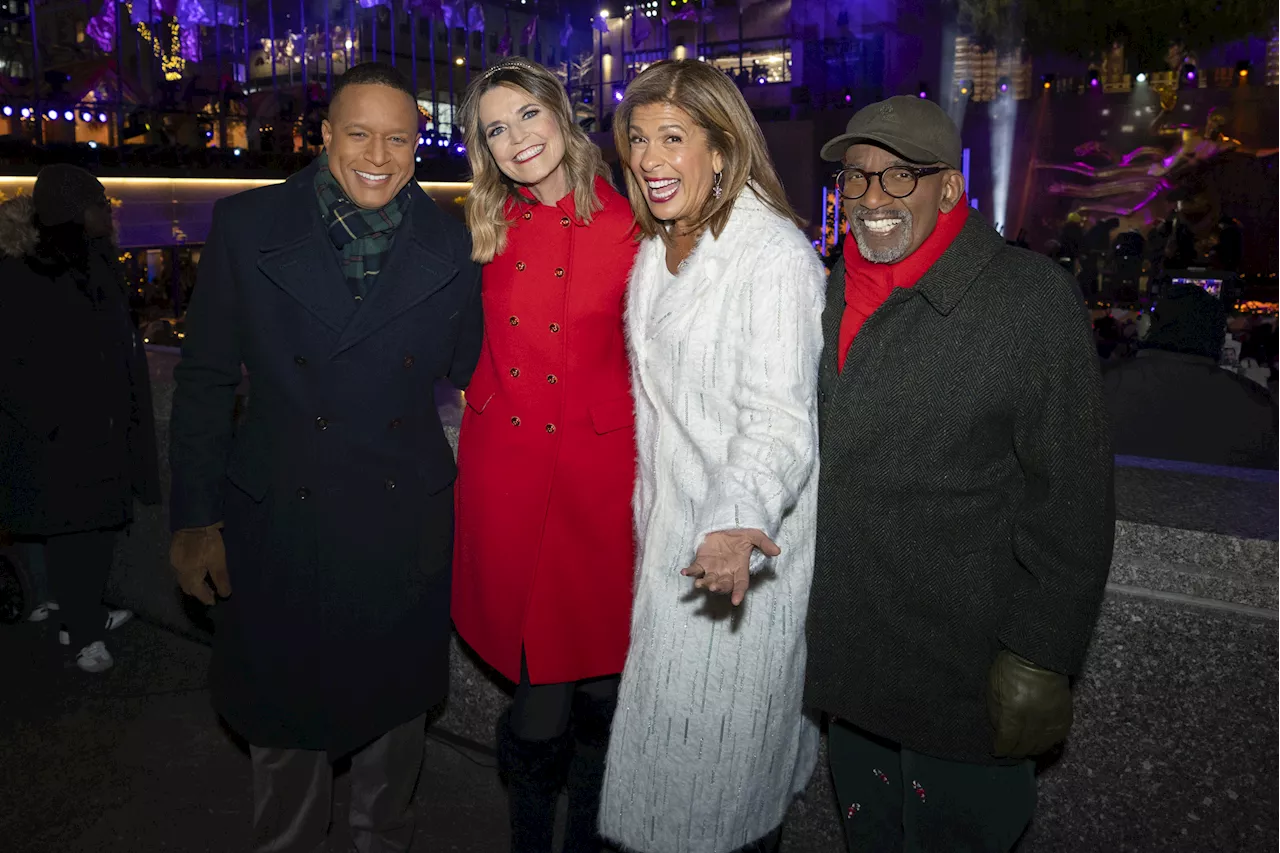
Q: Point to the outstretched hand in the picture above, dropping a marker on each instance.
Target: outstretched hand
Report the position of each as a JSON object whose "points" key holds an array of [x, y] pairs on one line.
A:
{"points": [[723, 561]]}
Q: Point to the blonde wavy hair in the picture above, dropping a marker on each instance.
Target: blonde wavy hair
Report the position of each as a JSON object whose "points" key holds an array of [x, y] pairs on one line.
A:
{"points": [[491, 190], [715, 104]]}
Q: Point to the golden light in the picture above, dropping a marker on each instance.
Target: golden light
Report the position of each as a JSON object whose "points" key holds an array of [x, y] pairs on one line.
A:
{"points": [[1244, 72], [458, 61], [1047, 84]]}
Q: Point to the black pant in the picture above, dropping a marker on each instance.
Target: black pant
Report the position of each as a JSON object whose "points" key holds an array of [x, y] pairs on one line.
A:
{"points": [[543, 711], [894, 800], [293, 794], [78, 565]]}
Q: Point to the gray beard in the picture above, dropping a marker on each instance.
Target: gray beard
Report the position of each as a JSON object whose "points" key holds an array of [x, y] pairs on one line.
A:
{"points": [[890, 254]]}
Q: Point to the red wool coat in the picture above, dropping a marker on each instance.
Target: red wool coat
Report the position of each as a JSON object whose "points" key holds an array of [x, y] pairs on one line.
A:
{"points": [[544, 551]]}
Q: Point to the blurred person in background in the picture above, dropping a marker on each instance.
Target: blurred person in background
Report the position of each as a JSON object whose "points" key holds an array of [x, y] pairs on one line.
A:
{"points": [[77, 432]]}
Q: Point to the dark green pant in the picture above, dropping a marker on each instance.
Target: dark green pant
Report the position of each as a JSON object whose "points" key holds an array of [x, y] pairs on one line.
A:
{"points": [[893, 800]]}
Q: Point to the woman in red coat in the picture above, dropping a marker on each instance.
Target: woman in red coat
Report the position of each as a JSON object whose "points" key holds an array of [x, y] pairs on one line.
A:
{"points": [[543, 555]]}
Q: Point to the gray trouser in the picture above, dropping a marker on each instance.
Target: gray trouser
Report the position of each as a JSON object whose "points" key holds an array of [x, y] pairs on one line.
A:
{"points": [[293, 794]]}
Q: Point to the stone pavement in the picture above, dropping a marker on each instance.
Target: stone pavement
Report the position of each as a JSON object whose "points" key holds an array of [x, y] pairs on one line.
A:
{"points": [[134, 759]]}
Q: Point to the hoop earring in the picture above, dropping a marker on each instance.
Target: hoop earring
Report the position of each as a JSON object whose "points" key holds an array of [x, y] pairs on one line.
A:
{"points": [[716, 190]]}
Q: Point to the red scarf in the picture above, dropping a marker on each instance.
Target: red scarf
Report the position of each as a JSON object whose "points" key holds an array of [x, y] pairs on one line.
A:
{"points": [[867, 285]]}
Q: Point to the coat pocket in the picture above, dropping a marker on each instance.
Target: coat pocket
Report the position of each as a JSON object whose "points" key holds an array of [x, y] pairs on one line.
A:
{"points": [[478, 396], [613, 414], [249, 470]]}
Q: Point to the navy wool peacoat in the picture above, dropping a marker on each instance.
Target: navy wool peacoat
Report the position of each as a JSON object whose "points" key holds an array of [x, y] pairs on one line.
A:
{"points": [[336, 487]]}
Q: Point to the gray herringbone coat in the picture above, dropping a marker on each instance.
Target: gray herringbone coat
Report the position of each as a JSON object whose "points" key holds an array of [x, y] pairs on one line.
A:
{"points": [[965, 499]]}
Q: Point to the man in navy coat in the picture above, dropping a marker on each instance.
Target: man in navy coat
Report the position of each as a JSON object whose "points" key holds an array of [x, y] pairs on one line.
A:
{"points": [[324, 520]]}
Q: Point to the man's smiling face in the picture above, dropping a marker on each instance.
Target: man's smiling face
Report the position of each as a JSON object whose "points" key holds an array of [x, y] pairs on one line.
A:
{"points": [[371, 136]]}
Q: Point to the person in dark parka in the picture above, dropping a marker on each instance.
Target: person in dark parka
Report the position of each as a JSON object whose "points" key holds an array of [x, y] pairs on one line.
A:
{"points": [[77, 433], [965, 512], [1173, 401], [325, 519]]}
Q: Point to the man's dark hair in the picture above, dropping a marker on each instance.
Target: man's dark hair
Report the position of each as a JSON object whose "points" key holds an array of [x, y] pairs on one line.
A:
{"points": [[372, 73]]}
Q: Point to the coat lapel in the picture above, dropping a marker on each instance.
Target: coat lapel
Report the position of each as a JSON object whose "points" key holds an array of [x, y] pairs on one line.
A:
{"points": [[413, 272], [290, 259]]}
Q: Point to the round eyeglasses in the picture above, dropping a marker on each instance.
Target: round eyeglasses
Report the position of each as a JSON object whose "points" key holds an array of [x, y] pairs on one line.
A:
{"points": [[896, 181]]}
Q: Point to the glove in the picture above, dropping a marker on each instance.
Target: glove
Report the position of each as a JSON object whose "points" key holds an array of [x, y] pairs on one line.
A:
{"points": [[197, 553], [1029, 707]]}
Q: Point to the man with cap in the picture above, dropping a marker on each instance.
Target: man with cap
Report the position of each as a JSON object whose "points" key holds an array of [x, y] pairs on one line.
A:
{"points": [[965, 504], [77, 433], [325, 519]]}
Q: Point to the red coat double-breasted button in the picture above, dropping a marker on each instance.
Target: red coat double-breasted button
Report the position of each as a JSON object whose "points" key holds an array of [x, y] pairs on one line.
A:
{"points": [[559, 272], [551, 379], [555, 327], [551, 428], [528, 215], [515, 372], [564, 222], [520, 266], [515, 422], [513, 320]]}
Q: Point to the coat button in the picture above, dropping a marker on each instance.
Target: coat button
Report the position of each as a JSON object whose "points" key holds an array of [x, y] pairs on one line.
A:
{"points": [[528, 215], [520, 266], [551, 428], [515, 371], [390, 485], [513, 320], [300, 361], [559, 272], [551, 378], [395, 423], [303, 493], [515, 422], [408, 361], [555, 327], [564, 222], [321, 423]]}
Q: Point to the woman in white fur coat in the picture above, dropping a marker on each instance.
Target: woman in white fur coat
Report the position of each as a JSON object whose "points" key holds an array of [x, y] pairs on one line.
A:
{"points": [[710, 743]]}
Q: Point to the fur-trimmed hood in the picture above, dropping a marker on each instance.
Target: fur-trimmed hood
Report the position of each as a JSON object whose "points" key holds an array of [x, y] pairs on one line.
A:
{"points": [[18, 233]]}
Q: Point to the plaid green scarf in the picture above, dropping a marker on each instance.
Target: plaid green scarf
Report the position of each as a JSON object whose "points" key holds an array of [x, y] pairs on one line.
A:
{"points": [[363, 237]]}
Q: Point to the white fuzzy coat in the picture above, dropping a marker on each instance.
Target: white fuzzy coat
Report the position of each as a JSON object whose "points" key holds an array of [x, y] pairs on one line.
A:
{"points": [[710, 743]]}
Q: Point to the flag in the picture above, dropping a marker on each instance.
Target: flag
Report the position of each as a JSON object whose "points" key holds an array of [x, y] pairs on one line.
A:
{"points": [[504, 43], [194, 13], [567, 32], [189, 41], [475, 18], [102, 27], [453, 14], [530, 33], [641, 29]]}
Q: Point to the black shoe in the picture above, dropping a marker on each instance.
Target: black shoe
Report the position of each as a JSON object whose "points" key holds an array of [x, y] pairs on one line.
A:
{"points": [[592, 717], [534, 771]]}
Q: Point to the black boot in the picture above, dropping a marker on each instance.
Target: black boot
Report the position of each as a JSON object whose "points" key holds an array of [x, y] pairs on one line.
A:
{"points": [[592, 717], [535, 772]]}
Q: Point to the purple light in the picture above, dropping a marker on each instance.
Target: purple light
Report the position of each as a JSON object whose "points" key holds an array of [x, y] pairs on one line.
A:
{"points": [[442, 143], [761, 81], [26, 112], [848, 99], [8, 111], [102, 117], [1004, 87], [460, 149], [1191, 75], [1093, 82], [421, 140], [617, 95], [924, 94], [53, 115], [69, 116], [86, 116]]}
